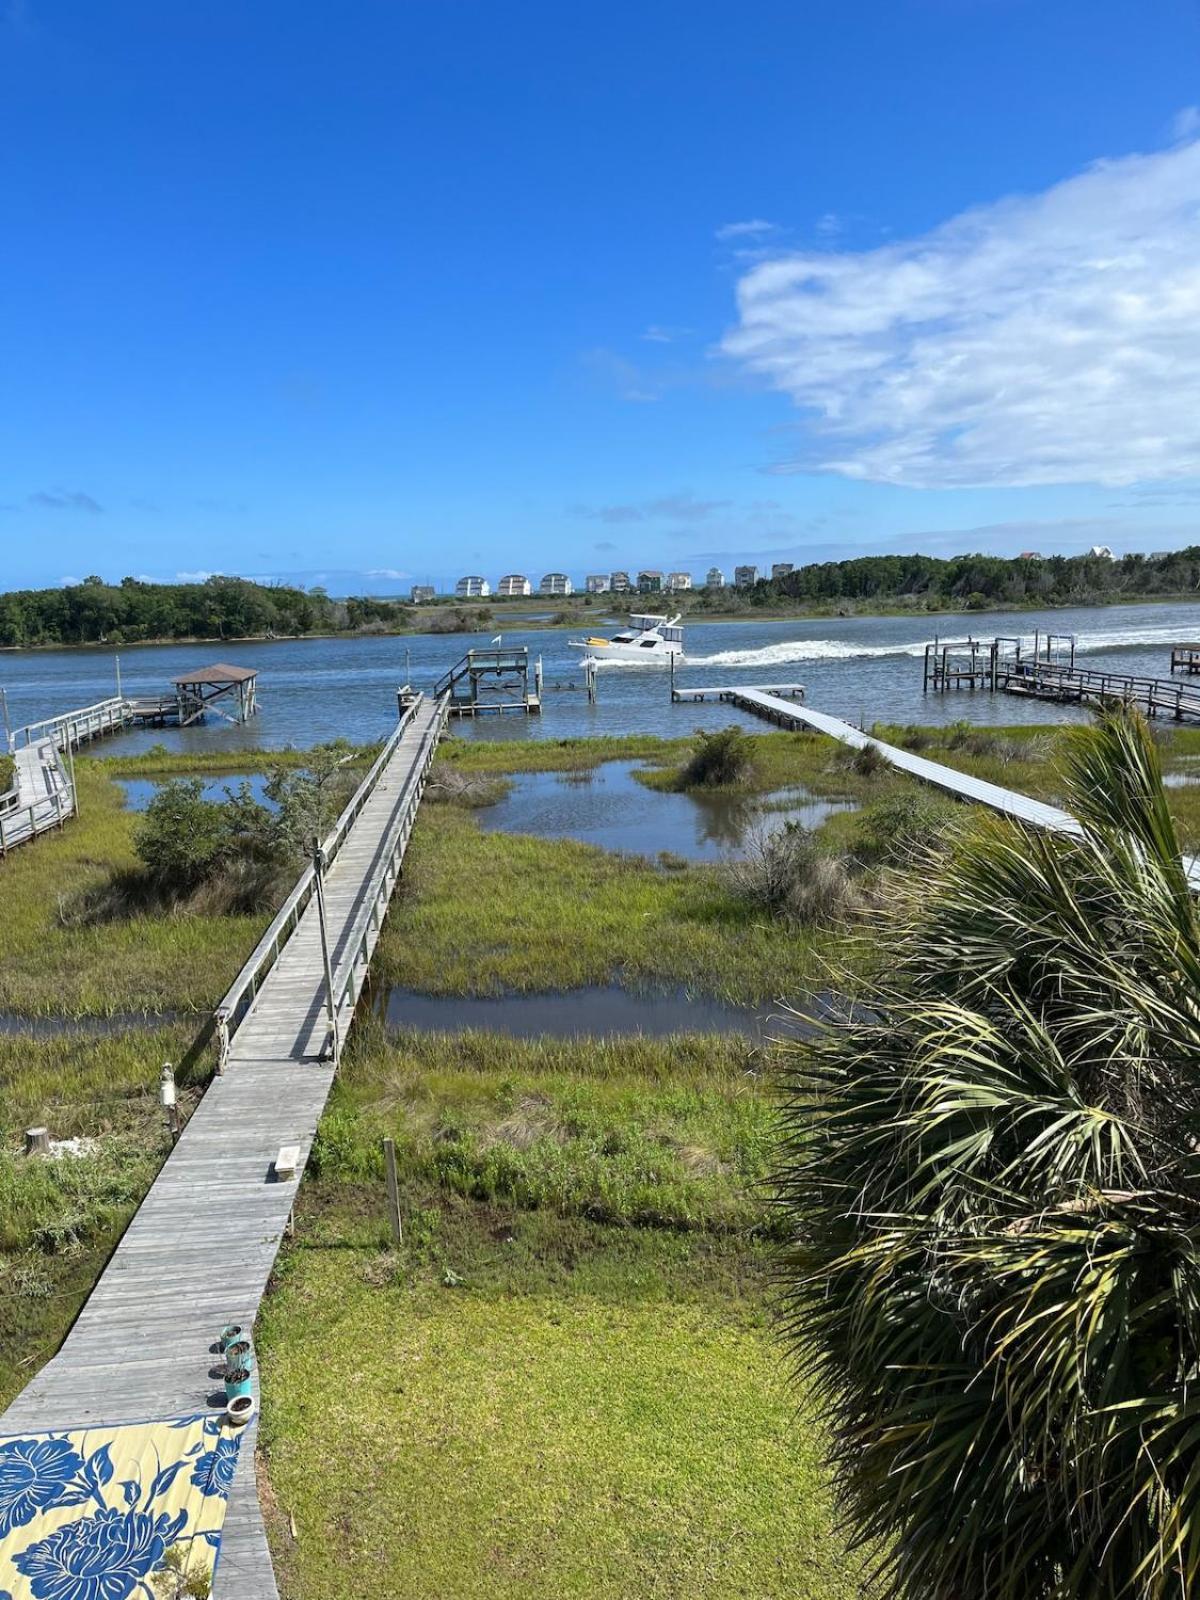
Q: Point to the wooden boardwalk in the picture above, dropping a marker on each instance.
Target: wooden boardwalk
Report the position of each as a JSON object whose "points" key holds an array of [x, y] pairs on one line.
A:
{"points": [[42, 798], [1020, 807], [200, 1250]]}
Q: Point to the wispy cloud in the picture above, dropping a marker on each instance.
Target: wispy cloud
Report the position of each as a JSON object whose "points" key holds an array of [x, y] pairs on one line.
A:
{"points": [[199, 576], [1047, 338], [755, 228], [683, 507], [1185, 124], [391, 573], [657, 334], [65, 500]]}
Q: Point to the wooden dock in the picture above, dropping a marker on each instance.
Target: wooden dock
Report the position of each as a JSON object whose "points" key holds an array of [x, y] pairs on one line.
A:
{"points": [[41, 799], [961, 785], [199, 1251], [491, 683], [1185, 658]]}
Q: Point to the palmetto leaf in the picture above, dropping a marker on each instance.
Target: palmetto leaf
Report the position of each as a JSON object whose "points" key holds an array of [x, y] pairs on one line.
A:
{"points": [[991, 1163]]}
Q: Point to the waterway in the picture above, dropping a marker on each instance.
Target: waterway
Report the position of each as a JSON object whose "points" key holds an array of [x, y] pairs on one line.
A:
{"points": [[587, 1013], [861, 668]]}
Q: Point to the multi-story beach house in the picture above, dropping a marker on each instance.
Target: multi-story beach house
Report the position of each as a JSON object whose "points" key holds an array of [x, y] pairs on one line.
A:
{"points": [[650, 582], [422, 593], [472, 588], [513, 585], [618, 583], [677, 582], [714, 578], [745, 577], [596, 583], [780, 569], [556, 583]]}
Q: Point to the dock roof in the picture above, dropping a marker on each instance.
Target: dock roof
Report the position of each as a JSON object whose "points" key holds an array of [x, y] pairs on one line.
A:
{"points": [[219, 672]]}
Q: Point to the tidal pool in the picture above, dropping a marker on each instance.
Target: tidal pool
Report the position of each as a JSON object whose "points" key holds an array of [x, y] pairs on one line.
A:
{"points": [[595, 1012], [607, 806], [140, 791]]}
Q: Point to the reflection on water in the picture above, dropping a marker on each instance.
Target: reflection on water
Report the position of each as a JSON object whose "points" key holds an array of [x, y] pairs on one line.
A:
{"points": [[607, 806], [140, 791], [594, 1012], [88, 1027]]}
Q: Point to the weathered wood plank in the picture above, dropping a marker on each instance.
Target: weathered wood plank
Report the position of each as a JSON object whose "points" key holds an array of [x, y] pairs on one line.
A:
{"points": [[201, 1247]]}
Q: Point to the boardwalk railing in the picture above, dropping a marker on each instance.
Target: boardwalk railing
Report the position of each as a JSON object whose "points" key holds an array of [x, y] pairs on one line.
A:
{"points": [[24, 811], [235, 1005], [359, 946], [73, 728], [1157, 697]]}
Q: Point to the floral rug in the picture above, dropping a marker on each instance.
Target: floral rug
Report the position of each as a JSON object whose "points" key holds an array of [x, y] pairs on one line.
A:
{"points": [[109, 1513]]}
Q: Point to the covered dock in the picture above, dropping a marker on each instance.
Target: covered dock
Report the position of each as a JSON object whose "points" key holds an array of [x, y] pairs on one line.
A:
{"points": [[230, 692]]}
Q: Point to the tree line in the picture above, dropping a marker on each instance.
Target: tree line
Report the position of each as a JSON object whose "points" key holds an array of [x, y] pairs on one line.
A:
{"points": [[974, 582], [95, 612]]}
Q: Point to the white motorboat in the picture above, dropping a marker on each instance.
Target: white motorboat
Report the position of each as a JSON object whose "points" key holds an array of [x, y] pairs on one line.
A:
{"points": [[646, 640]]}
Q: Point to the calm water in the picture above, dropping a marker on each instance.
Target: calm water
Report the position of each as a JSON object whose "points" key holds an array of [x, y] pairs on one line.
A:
{"points": [[861, 668], [607, 806], [140, 791], [596, 1012]]}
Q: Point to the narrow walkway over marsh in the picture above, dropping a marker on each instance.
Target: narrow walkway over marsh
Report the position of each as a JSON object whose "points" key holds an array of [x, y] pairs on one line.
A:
{"points": [[199, 1251], [1020, 807]]}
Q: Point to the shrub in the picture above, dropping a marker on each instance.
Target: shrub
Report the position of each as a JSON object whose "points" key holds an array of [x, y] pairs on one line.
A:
{"points": [[867, 760], [786, 873], [719, 758], [904, 824], [182, 837]]}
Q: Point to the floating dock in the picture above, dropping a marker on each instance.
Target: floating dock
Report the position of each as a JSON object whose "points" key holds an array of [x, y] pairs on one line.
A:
{"points": [[1185, 658]]}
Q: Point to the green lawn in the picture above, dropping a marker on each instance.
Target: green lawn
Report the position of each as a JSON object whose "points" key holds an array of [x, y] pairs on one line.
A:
{"points": [[589, 1412]]}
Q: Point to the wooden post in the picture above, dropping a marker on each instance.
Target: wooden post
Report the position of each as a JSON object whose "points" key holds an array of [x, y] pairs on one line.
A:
{"points": [[37, 1141], [393, 1190]]}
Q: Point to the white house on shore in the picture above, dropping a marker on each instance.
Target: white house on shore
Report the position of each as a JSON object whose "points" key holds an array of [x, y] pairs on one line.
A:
{"points": [[556, 583], [714, 578], [472, 588], [677, 582], [513, 586], [745, 577], [596, 583], [618, 583], [422, 593]]}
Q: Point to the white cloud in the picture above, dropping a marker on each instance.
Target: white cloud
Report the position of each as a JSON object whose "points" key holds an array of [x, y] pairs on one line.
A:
{"points": [[387, 572], [1185, 124], [192, 577], [657, 334], [1048, 338], [755, 228]]}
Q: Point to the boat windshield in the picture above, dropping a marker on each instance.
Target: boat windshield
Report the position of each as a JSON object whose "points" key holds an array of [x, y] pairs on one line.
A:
{"points": [[674, 634], [644, 623]]}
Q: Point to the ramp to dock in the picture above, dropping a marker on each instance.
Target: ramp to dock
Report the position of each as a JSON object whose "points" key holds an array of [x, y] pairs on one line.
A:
{"points": [[42, 798], [1009, 802], [200, 1249]]}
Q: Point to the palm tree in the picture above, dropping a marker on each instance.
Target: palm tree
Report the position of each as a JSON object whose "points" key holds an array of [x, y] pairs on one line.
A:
{"points": [[992, 1166]]}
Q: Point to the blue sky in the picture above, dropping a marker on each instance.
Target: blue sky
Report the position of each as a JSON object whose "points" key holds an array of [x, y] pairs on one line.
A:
{"points": [[386, 292]]}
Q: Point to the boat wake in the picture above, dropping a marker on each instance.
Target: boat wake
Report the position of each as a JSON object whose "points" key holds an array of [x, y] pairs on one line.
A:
{"points": [[777, 655]]}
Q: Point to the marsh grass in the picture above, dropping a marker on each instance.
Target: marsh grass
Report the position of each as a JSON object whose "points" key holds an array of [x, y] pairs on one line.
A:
{"points": [[140, 962], [8, 773], [669, 1133], [60, 1217], [481, 913]]}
